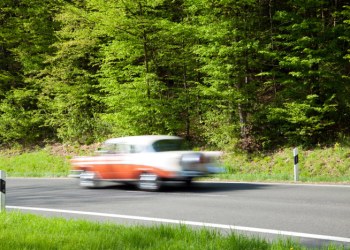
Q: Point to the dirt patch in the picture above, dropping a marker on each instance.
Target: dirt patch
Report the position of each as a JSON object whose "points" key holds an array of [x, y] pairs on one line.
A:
{"points": [[71, 150]]}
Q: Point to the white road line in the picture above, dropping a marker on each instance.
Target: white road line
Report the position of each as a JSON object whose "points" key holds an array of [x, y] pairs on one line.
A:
{"points": [[190, 223], [306, 184]]}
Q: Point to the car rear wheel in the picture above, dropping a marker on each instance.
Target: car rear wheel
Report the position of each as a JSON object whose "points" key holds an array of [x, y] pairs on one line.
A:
{"points": [[149, 182], [188, 181]]}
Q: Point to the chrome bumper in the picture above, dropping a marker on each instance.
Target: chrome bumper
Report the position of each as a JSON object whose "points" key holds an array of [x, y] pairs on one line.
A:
{"points": [[75, 173]]}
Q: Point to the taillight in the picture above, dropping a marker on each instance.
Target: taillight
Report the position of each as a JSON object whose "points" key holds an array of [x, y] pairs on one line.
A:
{"points": [[204, 159], [192, 158]]}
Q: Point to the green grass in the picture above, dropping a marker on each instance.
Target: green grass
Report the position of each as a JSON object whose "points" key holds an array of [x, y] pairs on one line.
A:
{"points": [[40, 163], [331, 164], [27, 231]]}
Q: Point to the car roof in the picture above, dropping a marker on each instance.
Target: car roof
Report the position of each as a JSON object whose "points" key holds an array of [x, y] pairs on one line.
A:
{"points": [[142, 139]]}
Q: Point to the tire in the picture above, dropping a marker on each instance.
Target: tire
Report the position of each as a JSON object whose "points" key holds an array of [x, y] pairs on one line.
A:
{"points": [[88, 180], [149, 182], [188, 182]]}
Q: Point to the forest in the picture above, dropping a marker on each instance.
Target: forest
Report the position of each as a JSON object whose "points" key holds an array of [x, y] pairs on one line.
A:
{"points": [[248, 74]]}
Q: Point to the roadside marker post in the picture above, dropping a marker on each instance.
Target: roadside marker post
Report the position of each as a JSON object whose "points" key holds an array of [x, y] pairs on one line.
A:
{"points": [[296, 164], [2, 190]]}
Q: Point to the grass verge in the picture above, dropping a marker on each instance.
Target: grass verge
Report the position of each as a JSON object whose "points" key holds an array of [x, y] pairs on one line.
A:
{"points": [[330, 165], [27, 231], [40, 163]]}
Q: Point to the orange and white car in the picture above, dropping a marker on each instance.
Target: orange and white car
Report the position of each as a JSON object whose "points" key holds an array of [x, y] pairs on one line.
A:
{"points": [[147, 161]]}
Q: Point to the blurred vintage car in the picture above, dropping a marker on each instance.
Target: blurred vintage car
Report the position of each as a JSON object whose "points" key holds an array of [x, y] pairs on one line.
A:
{"points": [[147, 161]]}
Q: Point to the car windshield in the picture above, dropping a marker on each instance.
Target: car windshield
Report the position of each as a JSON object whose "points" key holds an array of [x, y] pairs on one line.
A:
{"points": [[169, 145]]}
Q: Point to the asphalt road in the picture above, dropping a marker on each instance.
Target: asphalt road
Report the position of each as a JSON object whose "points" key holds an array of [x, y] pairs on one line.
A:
{"points": [[315, 214]]}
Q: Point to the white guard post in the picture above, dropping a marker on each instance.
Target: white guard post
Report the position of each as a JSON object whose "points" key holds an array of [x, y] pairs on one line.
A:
{"points": [[296, 164], [2, 190]]}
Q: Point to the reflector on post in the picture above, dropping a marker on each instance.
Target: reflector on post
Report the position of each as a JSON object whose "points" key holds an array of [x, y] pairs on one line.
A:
{"points": [[2, 190]]}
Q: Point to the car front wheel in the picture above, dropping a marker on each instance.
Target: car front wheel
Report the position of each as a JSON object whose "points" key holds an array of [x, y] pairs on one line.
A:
{"points": [[149, 182], [89, 180]]}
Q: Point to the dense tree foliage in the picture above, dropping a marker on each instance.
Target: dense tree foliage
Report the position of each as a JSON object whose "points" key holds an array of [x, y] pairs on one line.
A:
{"points": [[250, 73]]}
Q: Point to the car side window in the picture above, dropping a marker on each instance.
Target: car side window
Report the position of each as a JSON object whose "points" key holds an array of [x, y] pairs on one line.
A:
{"points": [[121, 148], [108, 148], [114, 148], [131, 149], [136, 148], [128, 148]]}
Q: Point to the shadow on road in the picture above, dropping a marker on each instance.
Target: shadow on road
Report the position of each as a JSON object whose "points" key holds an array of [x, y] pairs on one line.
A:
{"points": [[208, 187], [196, 187]]}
